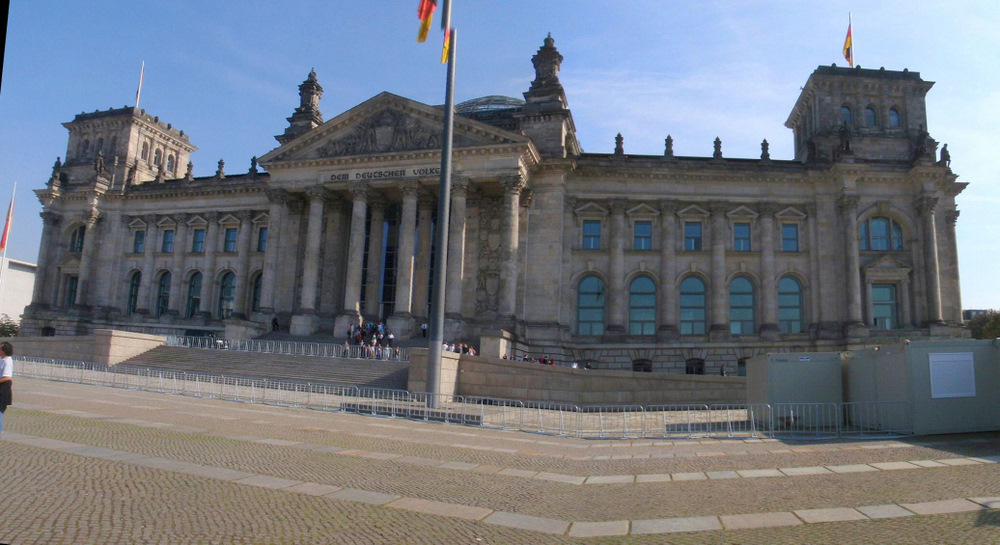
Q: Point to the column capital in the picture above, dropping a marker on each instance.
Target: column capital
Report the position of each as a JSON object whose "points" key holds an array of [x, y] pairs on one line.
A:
{"points": [[459, 186], [848, 202], [951, 216], [570, 204], [810, 209], [411, 188], [513, 183], [125, 219], [296, 204], [359, 190], [527, 195], [332, 200], [767, 208], [926, 205], [376, 200], [276, 196], [618, 205], [181, 217], [212, 217], [245, 216], [316, 192], [50, 218], [426, 200], [150, 219], [668, 206], [718, 208]]}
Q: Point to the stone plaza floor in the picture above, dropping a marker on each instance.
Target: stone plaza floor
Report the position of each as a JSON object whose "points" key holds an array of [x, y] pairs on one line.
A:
{"points": [[92, 464]]}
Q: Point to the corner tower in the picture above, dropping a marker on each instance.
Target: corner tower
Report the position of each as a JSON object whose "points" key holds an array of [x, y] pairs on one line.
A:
{"points": [[307, 116], [861, 113], [546, 118]]}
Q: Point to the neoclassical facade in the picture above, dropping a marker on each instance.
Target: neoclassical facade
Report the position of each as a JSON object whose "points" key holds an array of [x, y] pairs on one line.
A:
{"points": [[665, 262]]}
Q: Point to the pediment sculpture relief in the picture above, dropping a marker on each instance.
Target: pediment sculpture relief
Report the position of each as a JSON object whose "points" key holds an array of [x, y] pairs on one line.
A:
{"points": [[387, 131]]}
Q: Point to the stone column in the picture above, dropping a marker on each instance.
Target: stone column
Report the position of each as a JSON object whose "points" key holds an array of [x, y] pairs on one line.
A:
{"points": [[456, 248], [277, 199], [208, 291], [310, 260], [401, 321], [91, 243], [926, 208], [373, 275], [421, 273], [351, 315], [243, 259], [50, 222], [513, 185], [669, 309], [149, 248], [177, 268], [904, 303], [719, 317], [812, 225], [617, 292], [951, 217], [769, 329], [849, 219]]}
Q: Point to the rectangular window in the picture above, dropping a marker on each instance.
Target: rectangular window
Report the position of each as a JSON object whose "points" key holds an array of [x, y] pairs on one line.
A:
{"points": [[71, 284], [168, 242], [884, 306], [139, 242], [642, 235], [230, 244], [198, 241], [592, 235], [741, 237], [262, 239], [789, 237], [692, 236]]}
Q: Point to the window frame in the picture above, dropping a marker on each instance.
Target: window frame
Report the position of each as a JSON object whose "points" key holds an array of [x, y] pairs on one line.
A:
{"points": [[229, 243], [892, 304], [591, 240], [794, 246], [192, 302], [132, 297], [198, 240], [693, 327], [162, 294], [785, 325], [636, 312], [227, 295], [742, 241], [167, 242], [692, 242], [594, 327], [743, 324], [642, 241], [139, 241]]}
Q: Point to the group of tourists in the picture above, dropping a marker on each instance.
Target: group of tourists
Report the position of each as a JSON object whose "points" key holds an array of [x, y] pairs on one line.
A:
{"points": [[461, 348], [374, 339]]}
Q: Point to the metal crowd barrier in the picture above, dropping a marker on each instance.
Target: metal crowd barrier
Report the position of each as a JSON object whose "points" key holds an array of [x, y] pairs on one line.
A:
{"points": [[796, 421], [292, 348]]}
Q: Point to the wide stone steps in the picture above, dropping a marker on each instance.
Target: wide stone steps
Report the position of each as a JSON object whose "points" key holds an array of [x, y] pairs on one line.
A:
{"points": [[302, 369]]}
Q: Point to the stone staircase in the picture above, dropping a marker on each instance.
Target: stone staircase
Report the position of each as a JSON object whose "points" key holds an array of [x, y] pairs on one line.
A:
{"points": [[288, 368]]}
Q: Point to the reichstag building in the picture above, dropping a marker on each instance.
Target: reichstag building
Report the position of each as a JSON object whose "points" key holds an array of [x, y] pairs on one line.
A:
{"points": [[645, 262]]}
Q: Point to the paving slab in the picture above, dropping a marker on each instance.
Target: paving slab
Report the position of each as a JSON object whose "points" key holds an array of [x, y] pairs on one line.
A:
{"points": [[756, 473], [517, 473], [220, 473], [989, 503], [431, 507], [759, 520], [51, 444], [673, 525], [313, 489], [487, 469], [559, 478], [363, 496], [942, 507], [525, 522], [927, 463], [381, 456], [266, 481], [893, 466], [162, 463], [458, 466], [418, 461], [599, 529], [278, 442], [851, 468], [96, 452], [958, 461], [886, 511], [652, 478], [722, 474], [836, 514], [802, 471], [688, 476], [986, 459], [611, 479]]}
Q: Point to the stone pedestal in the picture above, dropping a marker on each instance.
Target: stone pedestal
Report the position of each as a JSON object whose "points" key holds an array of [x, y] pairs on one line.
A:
{"points": [[667, 333], [856, 330], [304, 324], [719, 332], [403, 326], [343, 322], [770, 332]]}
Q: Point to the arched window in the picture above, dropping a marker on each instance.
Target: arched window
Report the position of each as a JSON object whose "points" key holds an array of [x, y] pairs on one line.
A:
{"points": [[76, 239], [86, 148], [880, 234], [790, 305], [258, 283], [692, 306], [162, 294], [170, 163], [145, 151], [642, 307], [894, 120], [157, 157], [113, 149], [871, 120], [845, 116], [133, 292], [590, 307], [193, 296], [741, 307], [694, 366], [100, 146], [227, 293]]}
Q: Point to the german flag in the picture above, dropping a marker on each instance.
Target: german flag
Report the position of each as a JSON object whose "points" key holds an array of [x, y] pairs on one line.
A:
{"points": [[849, 48], [425, 12]]}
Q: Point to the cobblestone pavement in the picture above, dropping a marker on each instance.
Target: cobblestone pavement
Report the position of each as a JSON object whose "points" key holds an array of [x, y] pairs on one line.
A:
{"points": [[91, 464]]}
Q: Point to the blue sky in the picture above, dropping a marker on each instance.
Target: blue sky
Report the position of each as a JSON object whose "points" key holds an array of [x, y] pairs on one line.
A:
{"points": [[227, 74]]}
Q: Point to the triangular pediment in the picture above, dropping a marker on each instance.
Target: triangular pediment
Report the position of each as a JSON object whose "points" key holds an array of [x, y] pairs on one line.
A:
{"points": [[742, 212], [384, 125], [693, 211], [791, 213], [887, 264]]}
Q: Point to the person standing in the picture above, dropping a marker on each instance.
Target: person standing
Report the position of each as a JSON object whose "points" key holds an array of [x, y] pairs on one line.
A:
{"points": [[6, 378]]}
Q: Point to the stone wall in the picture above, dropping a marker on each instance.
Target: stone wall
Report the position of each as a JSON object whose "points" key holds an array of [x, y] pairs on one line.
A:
{"points": [[497, 378], [104, 346]]}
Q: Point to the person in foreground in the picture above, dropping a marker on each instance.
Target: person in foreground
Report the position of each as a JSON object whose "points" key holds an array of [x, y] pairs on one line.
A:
{"points": [[6, 378]]}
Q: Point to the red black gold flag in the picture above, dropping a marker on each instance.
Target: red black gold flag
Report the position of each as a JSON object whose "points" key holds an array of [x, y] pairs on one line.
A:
{"points": [[425, 12], [849, 47]]}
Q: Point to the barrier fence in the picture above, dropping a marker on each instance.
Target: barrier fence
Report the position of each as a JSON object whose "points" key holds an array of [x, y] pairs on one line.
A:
{"points": [[800, 421], [293, 348]]}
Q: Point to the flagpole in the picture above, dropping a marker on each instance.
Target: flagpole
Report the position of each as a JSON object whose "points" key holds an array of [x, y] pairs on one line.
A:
{"points": [[441, 231], [6, 235], [854, 47]]}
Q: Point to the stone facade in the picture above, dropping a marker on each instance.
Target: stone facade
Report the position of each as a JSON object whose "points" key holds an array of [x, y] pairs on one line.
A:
{"points": [[663, 262]]}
